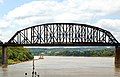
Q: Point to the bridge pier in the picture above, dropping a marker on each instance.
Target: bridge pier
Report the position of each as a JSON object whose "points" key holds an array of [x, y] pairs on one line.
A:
{"points": [[4, 56], [117, 57]]}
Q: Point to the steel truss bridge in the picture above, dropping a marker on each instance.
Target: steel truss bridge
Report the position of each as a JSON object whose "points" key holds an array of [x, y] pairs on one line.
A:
{"points": [[63, 34]]}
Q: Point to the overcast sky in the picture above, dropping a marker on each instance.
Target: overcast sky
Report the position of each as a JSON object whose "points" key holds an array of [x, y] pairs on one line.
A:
{"points": [[18, 14]]}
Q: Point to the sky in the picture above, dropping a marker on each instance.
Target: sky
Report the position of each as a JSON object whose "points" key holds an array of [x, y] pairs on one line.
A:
{"points": [[19, 14]]}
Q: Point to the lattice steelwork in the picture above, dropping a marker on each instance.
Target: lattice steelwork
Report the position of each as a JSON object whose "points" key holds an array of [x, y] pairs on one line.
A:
{"points": [[57, 34]]}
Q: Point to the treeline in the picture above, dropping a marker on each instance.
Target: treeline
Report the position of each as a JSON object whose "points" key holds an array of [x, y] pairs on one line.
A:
{"points": [[17, 54], [81, 51], [88, 53]]}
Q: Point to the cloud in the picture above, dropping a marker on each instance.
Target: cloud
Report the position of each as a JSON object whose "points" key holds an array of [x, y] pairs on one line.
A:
{"points": [[112, 25], [71, 17], [5, 23], [44, 11], [1, 1]]}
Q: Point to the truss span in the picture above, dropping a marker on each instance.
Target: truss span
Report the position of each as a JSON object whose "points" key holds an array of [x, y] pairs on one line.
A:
{"points": [[63, 34]]}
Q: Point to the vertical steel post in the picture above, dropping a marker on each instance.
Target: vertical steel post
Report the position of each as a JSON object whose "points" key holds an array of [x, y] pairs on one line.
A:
{"points": [[4, 56]]}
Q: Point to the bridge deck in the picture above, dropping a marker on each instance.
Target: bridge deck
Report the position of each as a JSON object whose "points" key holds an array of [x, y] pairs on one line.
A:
{"points": [[65, 44]]}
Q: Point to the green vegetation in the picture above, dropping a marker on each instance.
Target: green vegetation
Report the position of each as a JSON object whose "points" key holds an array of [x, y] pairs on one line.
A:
{"points": [[17, 54], [88, 53], [99, 52]]}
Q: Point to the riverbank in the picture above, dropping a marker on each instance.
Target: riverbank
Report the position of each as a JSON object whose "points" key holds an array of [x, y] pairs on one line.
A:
{"points": [[17, 54], [11, 62]]}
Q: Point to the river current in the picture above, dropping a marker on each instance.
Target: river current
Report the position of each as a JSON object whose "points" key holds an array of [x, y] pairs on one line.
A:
{"points": [[55, 66]]}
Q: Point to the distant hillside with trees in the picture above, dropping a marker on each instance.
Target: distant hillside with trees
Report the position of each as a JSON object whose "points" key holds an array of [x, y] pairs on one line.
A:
{"points": [[88, 53], [96, 52]]}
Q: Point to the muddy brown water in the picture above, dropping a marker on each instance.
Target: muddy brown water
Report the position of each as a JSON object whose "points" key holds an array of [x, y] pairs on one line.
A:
{"points": [[55, 66]]}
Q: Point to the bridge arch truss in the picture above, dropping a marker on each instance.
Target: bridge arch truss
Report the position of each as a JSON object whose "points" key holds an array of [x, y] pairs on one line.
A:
{"points": [[63, 34]]}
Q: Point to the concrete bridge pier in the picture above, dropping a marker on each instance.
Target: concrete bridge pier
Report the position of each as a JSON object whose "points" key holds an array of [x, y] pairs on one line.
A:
{"points": [[4, 56], [117, 56]]}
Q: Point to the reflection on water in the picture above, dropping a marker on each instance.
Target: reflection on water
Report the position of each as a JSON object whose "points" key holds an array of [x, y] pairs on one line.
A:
{"points": [[117, 72], [4, 74], [65, 67]]}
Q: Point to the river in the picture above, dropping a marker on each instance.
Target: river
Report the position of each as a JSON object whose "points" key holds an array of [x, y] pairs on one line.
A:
{"points": [[55, 66]]}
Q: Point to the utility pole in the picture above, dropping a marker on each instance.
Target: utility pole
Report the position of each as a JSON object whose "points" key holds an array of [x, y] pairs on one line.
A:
{"points": [[34, 74]]}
